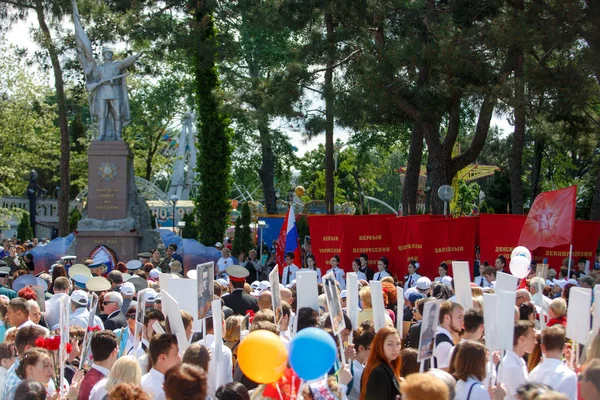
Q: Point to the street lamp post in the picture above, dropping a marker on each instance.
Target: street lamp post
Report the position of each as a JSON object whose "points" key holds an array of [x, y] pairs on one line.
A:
{"points": [[174, 200]]}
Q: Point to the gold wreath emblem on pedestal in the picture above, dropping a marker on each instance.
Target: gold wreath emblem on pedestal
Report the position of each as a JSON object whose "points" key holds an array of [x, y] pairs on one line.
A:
{"points": [[107, 171]]}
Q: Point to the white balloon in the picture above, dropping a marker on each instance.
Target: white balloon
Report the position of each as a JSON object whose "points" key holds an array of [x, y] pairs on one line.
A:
{"points": [[521, 251], [519, 266]]}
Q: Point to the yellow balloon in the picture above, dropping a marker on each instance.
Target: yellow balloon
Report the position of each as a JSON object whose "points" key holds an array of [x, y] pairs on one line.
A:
{"points": [[262, 356], [299, 191]]}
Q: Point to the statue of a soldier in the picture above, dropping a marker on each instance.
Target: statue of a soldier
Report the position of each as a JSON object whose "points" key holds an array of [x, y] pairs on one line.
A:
{"points": [[109, 102]]}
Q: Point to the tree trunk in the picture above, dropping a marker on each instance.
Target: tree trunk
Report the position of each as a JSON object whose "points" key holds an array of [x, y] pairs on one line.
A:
{"points": [[515, 160], [267, 168], [65, 151], [413, 169], [329, 112], [438, 163], [595, 208], [536, 170]]}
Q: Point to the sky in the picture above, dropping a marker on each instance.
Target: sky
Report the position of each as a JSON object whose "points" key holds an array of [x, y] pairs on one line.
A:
{"points": [[19, 35]]}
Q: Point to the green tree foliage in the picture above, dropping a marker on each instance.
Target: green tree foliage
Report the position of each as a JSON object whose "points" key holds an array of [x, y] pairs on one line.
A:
{"points": [[190, 231], [74, 217], [24, 229], [246, 240], [467, 198]]}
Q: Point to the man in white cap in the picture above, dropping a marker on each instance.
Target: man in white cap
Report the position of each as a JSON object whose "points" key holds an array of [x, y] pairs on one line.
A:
{"points": [[127, 291], [423, 285], [79, 314]]}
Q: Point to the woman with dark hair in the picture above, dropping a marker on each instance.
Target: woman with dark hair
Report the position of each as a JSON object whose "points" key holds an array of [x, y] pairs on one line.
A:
{"points": [[30, 390], [155, 260], [469, 370], [356, 269], [410, 364], [232, 391], [442, 271], [197, 355], [311, 264], [440, 291], [382, 269], [362, 340], [337, 272], [527, 311], [185, 382], [57, 272], [307, 318], [381, 377]]}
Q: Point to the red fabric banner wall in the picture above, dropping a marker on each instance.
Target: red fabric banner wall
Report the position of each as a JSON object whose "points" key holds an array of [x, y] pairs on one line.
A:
{"points": [[498, 234], [327, 239], [445, 240], [585, 241], [405, 242], [367, 234]]}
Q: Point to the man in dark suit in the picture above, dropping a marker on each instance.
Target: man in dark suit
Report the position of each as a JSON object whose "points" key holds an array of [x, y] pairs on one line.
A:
{"points": [[112, 308], [239, 301]]}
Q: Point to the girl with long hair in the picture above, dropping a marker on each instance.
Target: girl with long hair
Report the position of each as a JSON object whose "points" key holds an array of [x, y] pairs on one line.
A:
{"points": [[381, 376], [311, 264], [469, 370]]}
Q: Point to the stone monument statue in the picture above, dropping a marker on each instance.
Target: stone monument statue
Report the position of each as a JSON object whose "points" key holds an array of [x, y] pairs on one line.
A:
{"points": [[33, 191], [109, 102]]}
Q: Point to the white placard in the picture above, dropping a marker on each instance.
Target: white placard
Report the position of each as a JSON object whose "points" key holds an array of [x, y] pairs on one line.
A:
{"points": [[163, 281], [157, 329], [429, 324], [596, 320], [307, 291], [184, 293], [352, 298], [338, 323], [400, 308], [578, 314], [490, 309], [377, 303], [506, 282], [505, 319], [462, 284], [173, 313], [205, 288], [217, 319], [275, 294]]}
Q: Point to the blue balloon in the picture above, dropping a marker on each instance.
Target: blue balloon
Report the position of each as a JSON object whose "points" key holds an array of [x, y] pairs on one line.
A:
{"points": [[312, 353]]}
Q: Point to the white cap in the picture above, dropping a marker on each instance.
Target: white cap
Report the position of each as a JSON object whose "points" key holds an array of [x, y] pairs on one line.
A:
{"points": [[153, 274], [291, 284], [79, 297], [343, 294], [223, 282], [408, 291], [254, 285], [150, 295], [423, 283], [446, 280], [128, 289], [264, 285]]}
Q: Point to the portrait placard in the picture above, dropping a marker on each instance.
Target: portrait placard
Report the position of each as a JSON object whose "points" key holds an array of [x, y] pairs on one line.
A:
{"points": [[205, 289], [338, 324], [275, 294], [429, 324]]}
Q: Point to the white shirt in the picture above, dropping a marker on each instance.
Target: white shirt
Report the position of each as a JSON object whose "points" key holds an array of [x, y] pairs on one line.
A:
{"points": [[357, 369], [291, 271], [80, 318], [52, 313], [3, 372], [557, 375], [411, 281], [512, 373], [442, 351], [222, 264], [338, 273], [99, 390], [379, 275], [481, 281], [479, 392], [225, 371], [361, 275], [152, 383]]}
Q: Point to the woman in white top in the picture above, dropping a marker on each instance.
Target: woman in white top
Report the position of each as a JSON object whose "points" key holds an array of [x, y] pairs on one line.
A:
{"points": [[469, 369], [8, 355], [382, 266], [224, 262], [362, 339], [337, 272], [312, 265], [125, 370], [443, 271], [356, 269]]}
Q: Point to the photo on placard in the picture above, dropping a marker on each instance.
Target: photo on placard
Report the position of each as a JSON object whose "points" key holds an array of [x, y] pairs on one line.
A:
{"points": [[275, 294], [140, 311], [338, 324], [429, 324], [541, 270], [205, 279]]}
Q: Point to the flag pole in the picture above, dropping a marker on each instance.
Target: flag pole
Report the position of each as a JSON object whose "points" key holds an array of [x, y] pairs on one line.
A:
{"points": [[570, 260]]}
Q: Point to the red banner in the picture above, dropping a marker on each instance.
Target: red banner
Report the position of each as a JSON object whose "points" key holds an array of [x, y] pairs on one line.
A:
{"points": [[585, 242], [367, 234], [498, 235], [405, 242], [447, 239], [327, 239]]}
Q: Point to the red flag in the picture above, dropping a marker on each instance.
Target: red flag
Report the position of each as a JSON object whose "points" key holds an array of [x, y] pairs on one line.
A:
{"points": [[551, 219]]}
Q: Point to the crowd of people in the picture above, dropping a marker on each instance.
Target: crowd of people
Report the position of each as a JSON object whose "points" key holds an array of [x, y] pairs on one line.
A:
{"points": [[108, 357]]}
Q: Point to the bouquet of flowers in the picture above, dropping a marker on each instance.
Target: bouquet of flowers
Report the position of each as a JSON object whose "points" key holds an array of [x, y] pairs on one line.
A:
{"points": [[52, 344]]}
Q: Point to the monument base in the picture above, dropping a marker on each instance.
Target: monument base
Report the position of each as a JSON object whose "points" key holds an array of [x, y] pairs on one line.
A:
{"points": [[115, 216], [126, 245]]}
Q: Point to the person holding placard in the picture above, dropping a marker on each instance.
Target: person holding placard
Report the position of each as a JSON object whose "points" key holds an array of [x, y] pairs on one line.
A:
{"points": [[450, 324], [381, 376], [410, 280], [513, 370], [552, 371], [289, 272], [164, 354], [337, 272]]}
